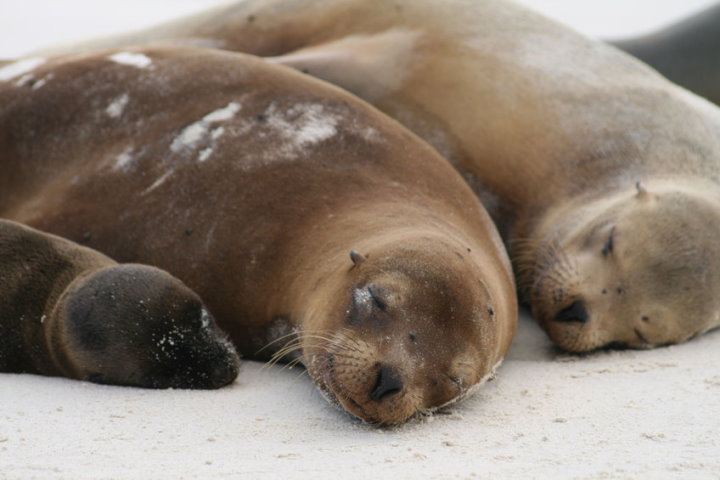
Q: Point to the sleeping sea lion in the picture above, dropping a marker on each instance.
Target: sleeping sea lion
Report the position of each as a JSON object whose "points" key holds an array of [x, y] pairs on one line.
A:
{"points": [[602, 176], [71, 311], [314, 227]]}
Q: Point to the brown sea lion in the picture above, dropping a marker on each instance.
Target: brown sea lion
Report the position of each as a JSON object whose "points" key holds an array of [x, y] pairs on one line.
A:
{"points": [[71, 311], [253, 184], [686, 52], [553, 130]]}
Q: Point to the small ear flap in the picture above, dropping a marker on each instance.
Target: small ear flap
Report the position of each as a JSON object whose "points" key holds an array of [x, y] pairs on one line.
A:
{"points": [[642, 193], [357, 258]]}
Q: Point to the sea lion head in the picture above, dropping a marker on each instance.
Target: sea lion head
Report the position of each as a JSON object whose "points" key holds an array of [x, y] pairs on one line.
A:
{"points": [[411, 328], [635, 270], [139, 326]]}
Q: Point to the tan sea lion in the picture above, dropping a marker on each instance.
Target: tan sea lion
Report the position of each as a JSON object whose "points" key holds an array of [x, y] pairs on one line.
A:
{"points": [[253, 184], [553, 130], [686, 52], [71, 311]]}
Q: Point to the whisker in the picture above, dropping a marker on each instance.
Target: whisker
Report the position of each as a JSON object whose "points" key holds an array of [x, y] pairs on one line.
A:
{"points": [[279, 339], [289, 365], [544, 266], [342, 344], [296, 362]]}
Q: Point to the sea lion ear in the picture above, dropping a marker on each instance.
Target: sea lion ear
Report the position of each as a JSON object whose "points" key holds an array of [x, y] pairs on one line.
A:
{"points": [[642, 192], [357, 258]]}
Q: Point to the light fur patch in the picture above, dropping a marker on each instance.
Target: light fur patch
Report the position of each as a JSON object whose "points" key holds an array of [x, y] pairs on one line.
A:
{"points": [[193, 134], [137, 60], [115, 109], [21, 67]]}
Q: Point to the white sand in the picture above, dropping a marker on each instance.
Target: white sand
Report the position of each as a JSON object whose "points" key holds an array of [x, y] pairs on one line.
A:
{"points": [[630, 414], [652, 414]]}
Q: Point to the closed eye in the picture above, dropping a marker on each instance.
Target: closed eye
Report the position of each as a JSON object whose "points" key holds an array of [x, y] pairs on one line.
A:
{"points": [[608, 247], [377, 299]]}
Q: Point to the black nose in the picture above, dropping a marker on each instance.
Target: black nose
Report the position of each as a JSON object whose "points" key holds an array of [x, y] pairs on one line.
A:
{"points": [[222, 375], [576, 312], [388, 384]]}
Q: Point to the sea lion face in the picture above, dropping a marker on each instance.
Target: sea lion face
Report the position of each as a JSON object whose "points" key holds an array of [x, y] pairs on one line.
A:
{"points": [[137, 325], [409, 334], [635, 275]]}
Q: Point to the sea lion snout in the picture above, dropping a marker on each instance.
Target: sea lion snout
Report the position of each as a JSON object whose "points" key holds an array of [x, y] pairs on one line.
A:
{"points": [[388, 387]]}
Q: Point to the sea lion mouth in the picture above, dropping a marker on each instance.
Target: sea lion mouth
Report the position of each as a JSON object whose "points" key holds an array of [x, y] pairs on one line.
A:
{"points": [[372, 392], [553, 286], [334, 392], [544, 270], [376, 410], [553, 277], [645, 342]]}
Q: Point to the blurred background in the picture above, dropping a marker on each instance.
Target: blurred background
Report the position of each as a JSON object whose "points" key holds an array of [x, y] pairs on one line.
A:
{"points": [[29, 24]]}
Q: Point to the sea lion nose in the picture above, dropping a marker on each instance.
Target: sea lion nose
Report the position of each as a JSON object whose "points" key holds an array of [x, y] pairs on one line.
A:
{"points": [[388, 383], [576, 312], [222, 375]]}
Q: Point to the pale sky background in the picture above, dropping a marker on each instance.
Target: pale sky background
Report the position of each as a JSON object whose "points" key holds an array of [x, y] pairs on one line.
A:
{"points": [[29, 24]]}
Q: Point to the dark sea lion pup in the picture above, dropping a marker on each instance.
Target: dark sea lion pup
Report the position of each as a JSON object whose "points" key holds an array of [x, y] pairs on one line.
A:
{"points": [[71, 311], [551, 128], [252, 183]]}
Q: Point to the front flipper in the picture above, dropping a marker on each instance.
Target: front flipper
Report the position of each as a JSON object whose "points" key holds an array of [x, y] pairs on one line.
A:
{"points": [[370, 66]]}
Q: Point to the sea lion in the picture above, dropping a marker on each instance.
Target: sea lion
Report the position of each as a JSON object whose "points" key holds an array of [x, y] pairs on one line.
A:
{"points": [[71, 311], [553, 130], [314, 227], [685, 52]]}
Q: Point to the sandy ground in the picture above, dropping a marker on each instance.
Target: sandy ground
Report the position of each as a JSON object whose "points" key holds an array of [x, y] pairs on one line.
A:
{"points": [[629, 414]]}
